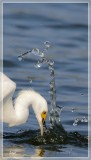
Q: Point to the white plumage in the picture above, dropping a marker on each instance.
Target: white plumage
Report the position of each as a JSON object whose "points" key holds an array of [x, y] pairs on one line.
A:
{"points": [[17, 112]]}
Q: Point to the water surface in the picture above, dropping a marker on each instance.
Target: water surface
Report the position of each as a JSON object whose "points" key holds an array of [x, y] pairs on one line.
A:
{"points": [[65, 25]]}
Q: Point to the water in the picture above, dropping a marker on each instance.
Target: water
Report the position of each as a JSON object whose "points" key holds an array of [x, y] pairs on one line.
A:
{"points": [[27, 27], [54, 116]]}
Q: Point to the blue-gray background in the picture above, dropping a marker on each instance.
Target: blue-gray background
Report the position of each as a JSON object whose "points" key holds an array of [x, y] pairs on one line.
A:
{"points": [[65, 25]]}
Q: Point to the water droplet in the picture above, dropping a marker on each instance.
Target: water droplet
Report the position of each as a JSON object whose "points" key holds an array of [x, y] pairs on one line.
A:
{"points": [[75, 122], [62, 108], [38, 65], [51, 85], [73, 109], [47, 44], [35, 51], [20, 58], [50, 92], [51, 68], [51, 62], [52, 79], [84, 119], [41, 54]]}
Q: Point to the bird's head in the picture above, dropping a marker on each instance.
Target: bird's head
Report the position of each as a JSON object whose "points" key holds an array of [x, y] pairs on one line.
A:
{"points": [[42, 122], [41, 114]]}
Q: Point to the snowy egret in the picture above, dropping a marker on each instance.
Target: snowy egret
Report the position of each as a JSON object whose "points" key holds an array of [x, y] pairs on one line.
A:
{"points": [[17, 112]]}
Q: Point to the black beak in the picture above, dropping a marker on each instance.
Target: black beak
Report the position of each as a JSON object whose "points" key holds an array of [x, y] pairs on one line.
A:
{"points": [[44, 124]]}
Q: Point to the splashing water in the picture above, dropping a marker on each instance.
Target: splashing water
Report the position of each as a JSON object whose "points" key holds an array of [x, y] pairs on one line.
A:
{"points": [[74, 109], [82, 120], [52, 136], [55, 112], [47, 44]]}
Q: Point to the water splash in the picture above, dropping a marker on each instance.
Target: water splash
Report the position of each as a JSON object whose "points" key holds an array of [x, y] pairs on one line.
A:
{"points": [[19, 58], [84, 119], [39, 64], [52, 136], [74, 109], [47, 44], [55, 117], [77, 120], [54, 112], [37, 52]]}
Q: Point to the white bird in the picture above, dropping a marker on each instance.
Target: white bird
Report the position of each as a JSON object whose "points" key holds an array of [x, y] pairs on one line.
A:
{"points": [[17, 112]]}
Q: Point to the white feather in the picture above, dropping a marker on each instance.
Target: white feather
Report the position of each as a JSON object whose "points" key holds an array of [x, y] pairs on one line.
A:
{"points": [[18, 113]]}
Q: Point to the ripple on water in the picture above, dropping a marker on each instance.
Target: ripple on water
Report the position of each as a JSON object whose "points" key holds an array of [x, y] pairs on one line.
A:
{"points": [[55, 135]]}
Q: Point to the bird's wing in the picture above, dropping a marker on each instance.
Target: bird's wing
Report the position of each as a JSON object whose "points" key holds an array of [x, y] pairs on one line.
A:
{"points": [[7, 87]]}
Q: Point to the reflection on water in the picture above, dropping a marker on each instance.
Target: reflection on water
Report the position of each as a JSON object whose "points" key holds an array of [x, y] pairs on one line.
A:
{"points": [[14, 151], [19, 151], [53, 140]]}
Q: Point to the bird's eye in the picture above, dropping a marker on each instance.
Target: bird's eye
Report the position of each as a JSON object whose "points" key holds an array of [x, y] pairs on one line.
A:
{"points": [[44, 112]]}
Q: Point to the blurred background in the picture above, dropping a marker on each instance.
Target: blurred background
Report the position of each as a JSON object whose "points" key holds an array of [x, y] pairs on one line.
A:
{"points": [[65, 26]]}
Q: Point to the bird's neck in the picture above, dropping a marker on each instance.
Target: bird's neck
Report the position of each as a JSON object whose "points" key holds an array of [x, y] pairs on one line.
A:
{"points": [[24, 100], [20, 112]]}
